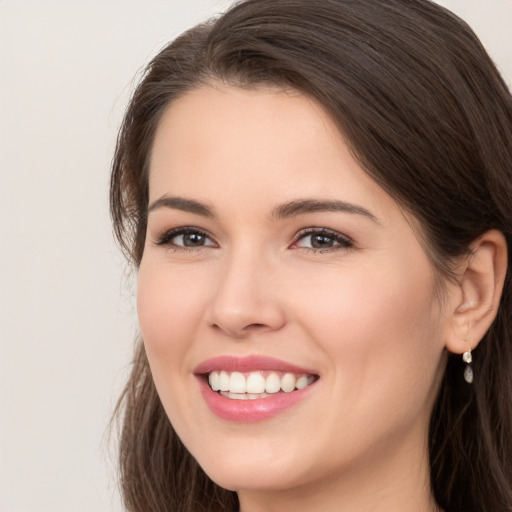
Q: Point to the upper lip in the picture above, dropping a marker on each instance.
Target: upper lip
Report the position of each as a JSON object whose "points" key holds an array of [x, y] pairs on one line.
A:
{"points": [[251, 363]]}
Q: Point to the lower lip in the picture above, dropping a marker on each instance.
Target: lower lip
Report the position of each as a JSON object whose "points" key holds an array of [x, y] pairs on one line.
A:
{"points": [[251, 410]]}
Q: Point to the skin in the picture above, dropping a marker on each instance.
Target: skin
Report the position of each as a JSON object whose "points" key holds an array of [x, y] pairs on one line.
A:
{"points": [[365, 317]]}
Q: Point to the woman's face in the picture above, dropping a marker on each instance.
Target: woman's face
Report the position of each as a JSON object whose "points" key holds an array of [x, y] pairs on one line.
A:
{"points": [[272, 261]]}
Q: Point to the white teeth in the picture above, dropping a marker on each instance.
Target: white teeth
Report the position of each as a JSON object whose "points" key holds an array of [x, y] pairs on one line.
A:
{"points": [[236, 386], [302, 382], [243, 396], [273, 383], [223, 381], [237, 383], [236, 396], [214, 379], [255, 383], [288, 382]]}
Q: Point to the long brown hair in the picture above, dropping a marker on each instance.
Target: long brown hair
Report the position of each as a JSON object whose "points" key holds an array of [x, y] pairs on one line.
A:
{"points": [[429, 118]]}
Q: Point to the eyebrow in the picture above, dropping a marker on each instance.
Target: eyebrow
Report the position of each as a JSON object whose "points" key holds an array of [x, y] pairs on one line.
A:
{"points": [[283, 211], [183, 204], [304, 206]]}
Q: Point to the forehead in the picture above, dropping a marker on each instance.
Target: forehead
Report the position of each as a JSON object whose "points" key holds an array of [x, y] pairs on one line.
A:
{"points": [[237, 120], [272, 142]]}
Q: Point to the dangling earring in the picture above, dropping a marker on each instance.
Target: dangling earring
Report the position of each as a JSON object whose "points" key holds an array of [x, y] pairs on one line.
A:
{"points": [[468, 371]]}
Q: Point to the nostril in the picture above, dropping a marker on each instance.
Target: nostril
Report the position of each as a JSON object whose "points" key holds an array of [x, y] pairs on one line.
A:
{"points": [[255, 327], [243, 331], [242, 320]]}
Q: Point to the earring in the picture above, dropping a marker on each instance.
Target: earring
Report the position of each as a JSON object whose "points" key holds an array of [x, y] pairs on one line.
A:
{"points": [[468, 371]]}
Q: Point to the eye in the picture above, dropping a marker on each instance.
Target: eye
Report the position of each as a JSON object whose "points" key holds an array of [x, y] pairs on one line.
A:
{"points": [[322, 239], [185, 237]]}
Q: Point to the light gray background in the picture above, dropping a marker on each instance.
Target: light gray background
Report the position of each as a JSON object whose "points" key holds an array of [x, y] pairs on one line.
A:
{"points": [[66, 304]]}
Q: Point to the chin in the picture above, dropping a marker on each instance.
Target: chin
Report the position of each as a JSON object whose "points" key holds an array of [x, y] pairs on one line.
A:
{"points": [[251, 476], [250, 465]]}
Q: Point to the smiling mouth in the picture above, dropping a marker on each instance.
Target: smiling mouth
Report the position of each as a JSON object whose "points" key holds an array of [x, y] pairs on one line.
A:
{"points": [[258, 384]]}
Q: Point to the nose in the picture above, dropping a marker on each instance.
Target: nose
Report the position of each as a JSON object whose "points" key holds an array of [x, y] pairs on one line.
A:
{"points": [[246, 298]]}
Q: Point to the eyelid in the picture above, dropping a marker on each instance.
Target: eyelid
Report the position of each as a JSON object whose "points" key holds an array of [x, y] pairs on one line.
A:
{"points": [[164, 239], [344, 241]]}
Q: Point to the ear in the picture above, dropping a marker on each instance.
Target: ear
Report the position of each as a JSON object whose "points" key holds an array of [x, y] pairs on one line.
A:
{"points": [[475, 299]]}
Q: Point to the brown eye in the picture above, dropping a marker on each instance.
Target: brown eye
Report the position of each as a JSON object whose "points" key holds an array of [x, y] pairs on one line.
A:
{"points": [[185, 237], [323, 240], [192, 239]]}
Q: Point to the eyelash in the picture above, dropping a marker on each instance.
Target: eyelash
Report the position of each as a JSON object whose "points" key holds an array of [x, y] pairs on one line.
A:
{"points": [[166, 238], [343, 241]]}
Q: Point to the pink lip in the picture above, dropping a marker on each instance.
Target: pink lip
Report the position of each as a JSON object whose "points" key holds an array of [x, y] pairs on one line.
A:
{"points": [[248, 364], [249, 410]]}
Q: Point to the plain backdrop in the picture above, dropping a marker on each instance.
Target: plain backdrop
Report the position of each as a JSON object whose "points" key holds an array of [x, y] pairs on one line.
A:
{"points": [[67, 316]]}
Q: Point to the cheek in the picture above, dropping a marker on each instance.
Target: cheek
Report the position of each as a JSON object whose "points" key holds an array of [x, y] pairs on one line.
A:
{"points": [[380, 330], [169, 307], [349, 302]]}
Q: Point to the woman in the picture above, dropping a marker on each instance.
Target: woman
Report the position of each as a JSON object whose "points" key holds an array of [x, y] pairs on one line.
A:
{"points": [[316, 196]]}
